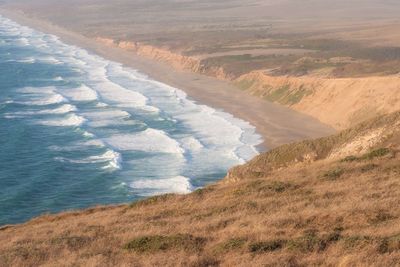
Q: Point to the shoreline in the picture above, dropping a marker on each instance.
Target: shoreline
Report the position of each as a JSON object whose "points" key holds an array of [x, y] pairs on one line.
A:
{"points": [[276, 124]]}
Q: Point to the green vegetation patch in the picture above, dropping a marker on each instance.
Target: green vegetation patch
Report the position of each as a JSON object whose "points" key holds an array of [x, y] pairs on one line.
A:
{"points": [[353, 242], [368, 167], [279, 187], [267, 246], [349, 159], [311, 241], [72, 242], [263, 186], [380, 152], [380, 216], [383, 244], [279, 93], [297, 96], [230, 244], [244, 84], [376, 153], [203, 191], [206, 261], [389, 244], [152, 200], [333, 174], [153, 243], [287, 96]]}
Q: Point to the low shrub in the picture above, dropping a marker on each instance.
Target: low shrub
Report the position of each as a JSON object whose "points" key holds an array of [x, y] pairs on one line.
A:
{"points": [[159, 243], [266, 246], [311, 241], [376, 153], [388, 244], [349, 159], [231, 244], [380, 152], [151, 200], [206, 261], [334, 173]]}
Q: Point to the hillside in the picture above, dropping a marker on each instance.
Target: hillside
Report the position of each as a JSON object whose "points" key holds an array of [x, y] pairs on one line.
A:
{"points": [[330, 201]]}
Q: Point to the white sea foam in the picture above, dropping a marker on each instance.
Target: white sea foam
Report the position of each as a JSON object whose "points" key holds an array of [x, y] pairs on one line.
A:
{"points": [[49, 60], [41, 96], [191, 144], [7, 102], [29, 60], [11, 116], [107, 114], [112, 158], [93, 143], [44, 101], [178, 184], [82, 93], [36, 90], [78, 146], [66, 108], [110, 117], [23, 41], [120, 96], [101, 105], [87, 134], [150, 140], [71, 120]]}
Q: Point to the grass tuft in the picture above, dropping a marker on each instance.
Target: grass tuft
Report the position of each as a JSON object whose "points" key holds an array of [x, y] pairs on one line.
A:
{"points": [[349, 159], [266, 246], [380, 152], [206, 261], [231, 244], [333, 174], [152, 200], [156, 243], [72, 242], [311, 241]]}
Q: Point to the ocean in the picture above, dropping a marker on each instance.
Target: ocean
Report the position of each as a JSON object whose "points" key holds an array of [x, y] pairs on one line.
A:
{"points": [[77, 130]]}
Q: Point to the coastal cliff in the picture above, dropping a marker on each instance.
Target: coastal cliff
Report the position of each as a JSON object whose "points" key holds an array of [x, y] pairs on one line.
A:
{"points": [[175, 60], [338, 102]]}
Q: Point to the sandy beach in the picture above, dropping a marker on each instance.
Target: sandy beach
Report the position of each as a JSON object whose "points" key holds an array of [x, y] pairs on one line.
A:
{"points": [[277, 124]]}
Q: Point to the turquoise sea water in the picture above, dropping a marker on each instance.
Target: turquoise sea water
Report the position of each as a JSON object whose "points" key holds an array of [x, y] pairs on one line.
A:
{"points": [[77, 130]]}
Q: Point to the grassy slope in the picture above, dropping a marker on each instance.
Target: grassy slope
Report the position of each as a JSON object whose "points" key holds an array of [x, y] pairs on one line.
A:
{"points": [[284, 208]]}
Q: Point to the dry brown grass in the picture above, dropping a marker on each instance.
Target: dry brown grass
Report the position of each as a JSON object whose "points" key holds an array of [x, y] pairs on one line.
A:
{"points": [[306, 214]]}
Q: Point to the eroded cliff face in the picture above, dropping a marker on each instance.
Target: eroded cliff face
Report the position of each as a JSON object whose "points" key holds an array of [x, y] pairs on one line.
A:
{"points": [[176, 60], [338, 102]]}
